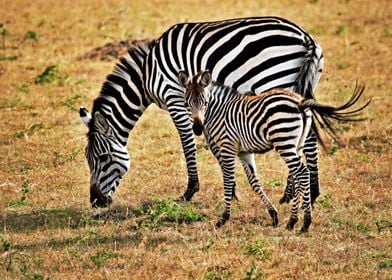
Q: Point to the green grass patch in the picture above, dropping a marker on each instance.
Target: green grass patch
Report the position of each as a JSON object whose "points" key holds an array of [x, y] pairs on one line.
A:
{"points": [[258, 249], [70, 102], [23, 200], [161, 211], [49, 75], [385, 264], [102, 256], [253, 273], [325, 201]]}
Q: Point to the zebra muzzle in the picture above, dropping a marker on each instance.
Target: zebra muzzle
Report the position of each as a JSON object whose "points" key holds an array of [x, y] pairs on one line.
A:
{"points": [[97, 199], [197, 127]]}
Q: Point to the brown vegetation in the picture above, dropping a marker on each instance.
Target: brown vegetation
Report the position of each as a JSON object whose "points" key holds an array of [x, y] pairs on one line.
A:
{"points": [[49, 231]]}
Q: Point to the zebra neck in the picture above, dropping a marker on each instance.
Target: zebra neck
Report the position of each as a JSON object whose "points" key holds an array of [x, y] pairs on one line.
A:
{"points": [[121, 116], [220, 98], [221, 94]]}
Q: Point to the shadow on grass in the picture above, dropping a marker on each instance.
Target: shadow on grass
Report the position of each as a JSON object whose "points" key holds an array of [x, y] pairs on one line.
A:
{"points": [[150, 215], [72, 218], [59, 218]]}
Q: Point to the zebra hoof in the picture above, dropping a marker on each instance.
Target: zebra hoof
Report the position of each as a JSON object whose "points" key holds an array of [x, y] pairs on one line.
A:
{"points": [[220, 223], [304, 229], [274, 215], [291, 223], [306, 225], [284, 199]]}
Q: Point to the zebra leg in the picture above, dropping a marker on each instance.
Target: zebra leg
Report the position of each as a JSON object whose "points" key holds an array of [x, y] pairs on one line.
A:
{"points": [[248, 162], [216, 152], [228, 167], [288, 192], [294, 209], [181, 120], [302, 188], [311, 155], [303, 177], [300, 174]]}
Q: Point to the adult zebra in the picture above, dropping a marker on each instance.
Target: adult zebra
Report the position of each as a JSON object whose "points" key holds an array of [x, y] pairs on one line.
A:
{"points": [[255, 54]]}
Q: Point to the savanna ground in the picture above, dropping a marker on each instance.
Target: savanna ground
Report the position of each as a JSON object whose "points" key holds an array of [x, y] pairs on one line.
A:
{"points": [[49, 231]]}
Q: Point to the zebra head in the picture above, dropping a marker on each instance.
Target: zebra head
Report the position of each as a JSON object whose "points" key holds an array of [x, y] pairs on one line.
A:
{"points": [[196, 96], [107, 158]]}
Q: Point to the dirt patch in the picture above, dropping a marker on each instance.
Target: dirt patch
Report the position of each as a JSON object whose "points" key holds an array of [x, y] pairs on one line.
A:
{"points": [[113, 50]]}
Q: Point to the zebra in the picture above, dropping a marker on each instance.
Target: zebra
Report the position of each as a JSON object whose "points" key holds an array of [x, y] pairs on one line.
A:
{"points": [[240, 125], [256, 54]]}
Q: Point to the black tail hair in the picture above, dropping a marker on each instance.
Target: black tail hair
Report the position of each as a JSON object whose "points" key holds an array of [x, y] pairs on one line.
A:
{"points": [[324, 114]]}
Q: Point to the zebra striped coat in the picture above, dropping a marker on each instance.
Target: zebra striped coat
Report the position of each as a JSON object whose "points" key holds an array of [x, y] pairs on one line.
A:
{"points": [[247, 54], [241, 124]]}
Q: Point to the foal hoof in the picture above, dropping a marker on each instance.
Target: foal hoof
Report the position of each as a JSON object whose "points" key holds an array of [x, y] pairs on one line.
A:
{"points": [[304, 229], [291, 224], [274, 215], [220, 223], [284, 199]]}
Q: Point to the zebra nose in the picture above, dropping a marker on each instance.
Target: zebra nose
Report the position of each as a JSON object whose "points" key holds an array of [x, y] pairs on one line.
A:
{"points": [[197, 126]]}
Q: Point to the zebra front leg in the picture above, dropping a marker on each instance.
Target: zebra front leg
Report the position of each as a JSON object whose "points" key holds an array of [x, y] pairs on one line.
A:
{"points": [[288, 192], [228, 166], [248, 162], [183, 124]]}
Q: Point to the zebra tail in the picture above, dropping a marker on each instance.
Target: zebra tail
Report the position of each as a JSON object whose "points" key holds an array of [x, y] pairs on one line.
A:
{"points": [[308, 74], [325, 114]]}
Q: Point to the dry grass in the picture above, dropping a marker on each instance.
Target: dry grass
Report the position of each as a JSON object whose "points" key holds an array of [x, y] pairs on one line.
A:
{"points": [[48, 230]]}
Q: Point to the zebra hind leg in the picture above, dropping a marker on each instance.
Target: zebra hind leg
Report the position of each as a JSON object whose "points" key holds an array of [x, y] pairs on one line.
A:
{"points": [[303, 177], [311, 155]]}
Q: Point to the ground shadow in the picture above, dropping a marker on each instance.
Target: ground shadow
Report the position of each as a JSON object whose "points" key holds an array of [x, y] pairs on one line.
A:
{"points": [[60, 218]]}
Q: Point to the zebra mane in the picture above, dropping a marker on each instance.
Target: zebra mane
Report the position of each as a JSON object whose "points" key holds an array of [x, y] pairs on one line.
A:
{"points": [[124, 86], [132, 62]]}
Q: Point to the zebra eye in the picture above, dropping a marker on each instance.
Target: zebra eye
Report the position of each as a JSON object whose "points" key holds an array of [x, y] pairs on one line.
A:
{"points": [[103, 157]]}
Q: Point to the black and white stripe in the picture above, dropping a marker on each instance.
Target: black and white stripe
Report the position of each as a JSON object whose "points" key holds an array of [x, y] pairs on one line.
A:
{"points": [[243, 124]]}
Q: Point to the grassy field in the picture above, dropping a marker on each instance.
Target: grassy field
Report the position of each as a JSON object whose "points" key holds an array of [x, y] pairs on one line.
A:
{"points": [[48, 231]]}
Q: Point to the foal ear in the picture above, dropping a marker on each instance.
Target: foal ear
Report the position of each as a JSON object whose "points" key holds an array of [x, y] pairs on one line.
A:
{"points": [[183, 78], [85, 116], [100, 123], [205, 78]]}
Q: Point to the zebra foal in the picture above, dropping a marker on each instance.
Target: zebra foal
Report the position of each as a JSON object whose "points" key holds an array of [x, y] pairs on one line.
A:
{"points": [[243, 124]]}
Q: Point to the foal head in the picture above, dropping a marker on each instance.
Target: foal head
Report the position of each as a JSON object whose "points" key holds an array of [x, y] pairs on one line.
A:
{"points": [[196, 96]]}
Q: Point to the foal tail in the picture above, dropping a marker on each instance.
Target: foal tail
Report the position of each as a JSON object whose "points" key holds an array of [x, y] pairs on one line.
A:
{"points": [[324, 114]]}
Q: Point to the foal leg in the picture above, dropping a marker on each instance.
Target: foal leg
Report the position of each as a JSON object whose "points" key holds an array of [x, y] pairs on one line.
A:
{"points": [[289, 191], [311, 155], [302, 188], [227, 163], [248, 162], [300, 173]]}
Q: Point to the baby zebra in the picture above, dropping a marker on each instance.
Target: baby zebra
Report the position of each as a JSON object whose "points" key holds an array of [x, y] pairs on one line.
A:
{"points": [[238, 124]]}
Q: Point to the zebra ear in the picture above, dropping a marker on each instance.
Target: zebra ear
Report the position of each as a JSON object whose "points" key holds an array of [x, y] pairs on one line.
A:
{"points": [[183, 78], [85, 116], [100, 123], [205, 78]]}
